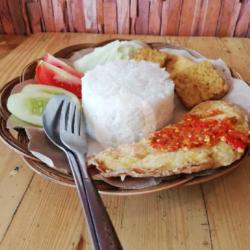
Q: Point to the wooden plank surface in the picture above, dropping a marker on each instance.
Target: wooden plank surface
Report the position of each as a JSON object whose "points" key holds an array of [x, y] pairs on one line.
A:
{"points": [[109, 10], [6, 21], [190, 14], [158, 17], [142, 21], [8, 43], [35, 16], [227, 19], [58, 13], [90, 15], [123, 22], [155, 10], [38, 214], [17, 17], [209, 16], [47, 10], [244, 19], [171, 13]]}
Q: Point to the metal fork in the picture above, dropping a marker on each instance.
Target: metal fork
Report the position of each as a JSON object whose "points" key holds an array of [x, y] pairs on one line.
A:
{"points": [[72, 135]]}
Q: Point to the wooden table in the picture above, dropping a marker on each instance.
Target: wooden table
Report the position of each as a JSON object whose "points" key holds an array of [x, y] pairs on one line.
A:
{"points": [[38, 214]]}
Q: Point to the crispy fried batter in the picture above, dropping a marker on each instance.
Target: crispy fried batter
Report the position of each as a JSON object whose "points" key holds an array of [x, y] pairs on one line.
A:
{"points": [[176, 64], [151, 55], [199, 82]]}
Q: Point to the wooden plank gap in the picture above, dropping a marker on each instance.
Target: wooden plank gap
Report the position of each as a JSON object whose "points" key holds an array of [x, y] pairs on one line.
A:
{"points": [[90, 15], [1, 27], [77, 20], [142, 22], [133, 15], [155, 13], [48, 15], [58, 13], [123, 13], [224, 21], [171, 12], [243, 20], [207, 217], [6, 20], [17, 17], [25, 16], [100, 16], [16, 208], [196, 18], [189, 17], [35, 15], [210, 12], [234, 18], [110, 16], [69, 16]]}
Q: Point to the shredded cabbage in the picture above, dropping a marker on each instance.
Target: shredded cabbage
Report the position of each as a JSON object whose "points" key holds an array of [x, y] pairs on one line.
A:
{"points": [[117, 50]]}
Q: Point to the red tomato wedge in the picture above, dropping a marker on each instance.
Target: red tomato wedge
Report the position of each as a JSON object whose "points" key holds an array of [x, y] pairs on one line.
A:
{"points": [[62, 65], [51, 75]]}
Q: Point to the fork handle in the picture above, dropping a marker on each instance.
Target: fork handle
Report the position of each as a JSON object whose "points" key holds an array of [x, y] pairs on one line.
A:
{"points": [[105, 232], [83, 197]]}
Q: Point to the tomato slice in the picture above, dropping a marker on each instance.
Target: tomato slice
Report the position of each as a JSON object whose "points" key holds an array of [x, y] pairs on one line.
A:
{"points": [[51, 75], [62, 65]]}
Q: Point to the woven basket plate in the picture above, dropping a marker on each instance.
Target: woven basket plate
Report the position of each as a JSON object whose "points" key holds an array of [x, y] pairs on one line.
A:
{"points": [[18, 140]]}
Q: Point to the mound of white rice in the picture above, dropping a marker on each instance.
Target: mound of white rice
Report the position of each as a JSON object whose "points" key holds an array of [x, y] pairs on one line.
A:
{"points": [[124, 101]]}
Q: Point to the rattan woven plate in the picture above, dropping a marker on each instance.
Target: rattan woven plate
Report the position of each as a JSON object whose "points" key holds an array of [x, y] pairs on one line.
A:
{"points": [[18, 141]]}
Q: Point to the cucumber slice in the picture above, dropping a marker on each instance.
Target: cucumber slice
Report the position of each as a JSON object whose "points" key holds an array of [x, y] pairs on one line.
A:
{"points": [[41, 88], [28, 106]]}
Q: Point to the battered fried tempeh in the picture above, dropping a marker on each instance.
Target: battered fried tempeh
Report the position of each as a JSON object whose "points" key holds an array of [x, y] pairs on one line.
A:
{"points": [[198, 83]]}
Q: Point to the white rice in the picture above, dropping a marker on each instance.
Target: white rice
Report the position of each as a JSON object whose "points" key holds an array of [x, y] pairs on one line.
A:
{"points": [[126, 100]]}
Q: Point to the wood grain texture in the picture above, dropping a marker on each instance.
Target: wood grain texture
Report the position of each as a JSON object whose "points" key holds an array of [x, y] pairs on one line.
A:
{"points": [[99, 14], [209, 16], [1, 27], [142, 21], [133, 15], [6, 21], [155, 10], [48, 17], [165, 17], [123, 12], [77, 15], [25, 16], [35, 16], [109, 9], [17, 17], [8, 43], [90, 15], [58, 13], [171, 13], [189, 20], [244, 20], [229, 9]]}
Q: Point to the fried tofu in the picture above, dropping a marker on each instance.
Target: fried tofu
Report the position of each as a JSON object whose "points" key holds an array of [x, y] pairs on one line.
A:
{"points": [[176, 64], [151, 55], [199, 82]]}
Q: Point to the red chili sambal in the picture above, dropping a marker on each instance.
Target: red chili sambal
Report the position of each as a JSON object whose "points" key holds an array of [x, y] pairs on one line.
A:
{"points": [[195, 131]]}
